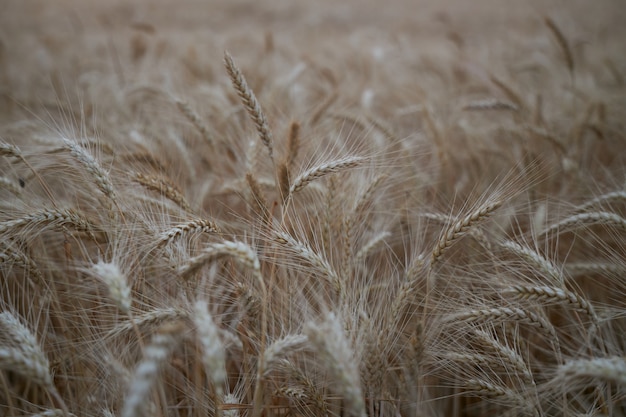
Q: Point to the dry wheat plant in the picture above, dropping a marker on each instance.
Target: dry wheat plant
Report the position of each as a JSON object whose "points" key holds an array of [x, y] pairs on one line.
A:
{"points": [[255, 209]]}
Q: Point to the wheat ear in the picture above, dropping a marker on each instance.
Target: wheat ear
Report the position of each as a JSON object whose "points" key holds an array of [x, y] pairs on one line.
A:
{"points": [[330, 342], [460, 228], [192, 226], [20, 352], [508, 313], [305, 252], [213, 352], [534, 258], [611, 369], [116, 282], [155, 354], [251, 104], [278, 349], [322, 170], [55, 217], [102, 180], [582, 219], [195, 120], [608, 197], [163, 187]]}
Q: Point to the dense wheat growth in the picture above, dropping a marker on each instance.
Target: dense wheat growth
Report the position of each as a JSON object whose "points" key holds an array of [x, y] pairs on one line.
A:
{"points": [[288, 208]]}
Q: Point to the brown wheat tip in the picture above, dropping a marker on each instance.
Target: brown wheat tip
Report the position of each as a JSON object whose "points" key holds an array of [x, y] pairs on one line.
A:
{"points": [[117, 283], [192, 226], [324, 169], [331, 343], [563, 44], [460, 228], [213, 352], [155, 354], [251, 104], [21, 353]]}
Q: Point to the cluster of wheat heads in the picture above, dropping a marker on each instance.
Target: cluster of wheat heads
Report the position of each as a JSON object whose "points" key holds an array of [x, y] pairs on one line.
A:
{"points": [[270, 246]]}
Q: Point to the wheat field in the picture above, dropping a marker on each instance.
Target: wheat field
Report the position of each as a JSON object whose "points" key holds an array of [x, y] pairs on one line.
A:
{"points": [[289, 208]]}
